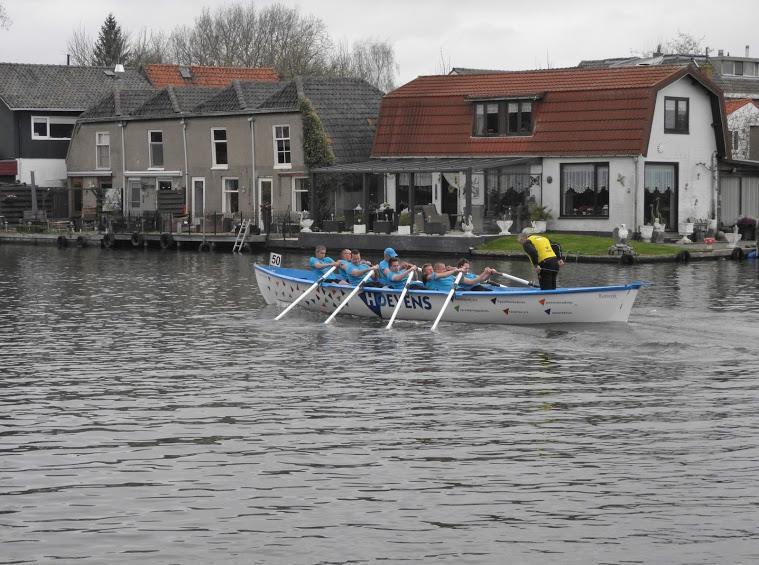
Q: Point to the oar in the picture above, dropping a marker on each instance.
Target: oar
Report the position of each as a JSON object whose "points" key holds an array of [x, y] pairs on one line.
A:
{"points": [[447, 301], [400, 301], [515, 279], [302, 296], [353, 293]]}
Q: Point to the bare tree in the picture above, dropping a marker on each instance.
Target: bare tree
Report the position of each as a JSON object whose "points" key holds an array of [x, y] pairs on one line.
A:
{"points": [[148, 47], [80, 46], [680, 44], [444, 66], [5, 20], [372, 61]]}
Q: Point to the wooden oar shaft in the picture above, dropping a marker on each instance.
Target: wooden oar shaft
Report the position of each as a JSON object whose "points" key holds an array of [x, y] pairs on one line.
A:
{"points": [[353, 293], [447, 301], [400, 300], [309, 291]]}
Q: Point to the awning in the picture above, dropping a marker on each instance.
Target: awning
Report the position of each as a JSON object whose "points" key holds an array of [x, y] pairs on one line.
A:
{"points": [[427, 165]]}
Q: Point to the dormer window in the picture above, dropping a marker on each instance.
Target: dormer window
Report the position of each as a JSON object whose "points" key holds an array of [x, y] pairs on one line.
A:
{"points": [[676, 115], [503, 118]]}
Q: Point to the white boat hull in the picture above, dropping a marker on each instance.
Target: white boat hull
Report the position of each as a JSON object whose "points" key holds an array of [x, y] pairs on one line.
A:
{"points": [[507, 305]]}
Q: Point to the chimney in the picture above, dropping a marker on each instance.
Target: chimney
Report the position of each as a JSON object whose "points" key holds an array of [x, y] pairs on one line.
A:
{"points": [[68, 59], [747, 50]]}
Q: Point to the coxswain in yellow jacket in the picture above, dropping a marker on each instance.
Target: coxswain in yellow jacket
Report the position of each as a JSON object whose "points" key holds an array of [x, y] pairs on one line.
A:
{"points": [[541, 252]]}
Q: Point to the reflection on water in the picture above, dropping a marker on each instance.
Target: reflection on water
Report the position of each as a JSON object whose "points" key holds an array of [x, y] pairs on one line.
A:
{"points": [[152, 410]]}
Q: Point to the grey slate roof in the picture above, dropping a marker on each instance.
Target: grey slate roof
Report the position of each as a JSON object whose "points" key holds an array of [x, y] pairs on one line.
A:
{"points": [[738, 87], [129, 101], [61, 87], [228, 99], [348, 109], [171, 101]]}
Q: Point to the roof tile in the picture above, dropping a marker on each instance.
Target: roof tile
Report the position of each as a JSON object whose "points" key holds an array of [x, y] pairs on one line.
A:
{"points": [[161, 75]]}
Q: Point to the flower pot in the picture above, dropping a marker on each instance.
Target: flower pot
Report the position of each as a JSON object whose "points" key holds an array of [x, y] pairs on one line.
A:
{"points": [[732, 238], [332, 225], [539, 226], [382, 226], [404, 230], [646, 232], [305, 225], [359, 228], [504, 226]]}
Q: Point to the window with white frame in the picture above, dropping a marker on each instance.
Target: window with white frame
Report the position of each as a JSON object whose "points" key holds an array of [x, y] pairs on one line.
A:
{"points": [[282, 146], [219, 153], [230, 203], [155, 148], [52, 127], [585, 190], [103, 150], [164, 184], [300, 194]]}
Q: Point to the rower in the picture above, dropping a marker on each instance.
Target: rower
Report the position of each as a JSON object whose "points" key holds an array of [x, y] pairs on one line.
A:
{"points": [[439, 277], [397, 275], [470, 281], [357, 269], [321, 263]]}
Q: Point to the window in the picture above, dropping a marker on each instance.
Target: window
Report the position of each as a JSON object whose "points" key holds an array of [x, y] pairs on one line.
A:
{"points": [[736, 140], [155, 147], [300, 194], [164, 184], [230, 203], [219, 155], [512, 117], [103, 150], [675, 115], [44, 127], [585, 190], [282, 146]]}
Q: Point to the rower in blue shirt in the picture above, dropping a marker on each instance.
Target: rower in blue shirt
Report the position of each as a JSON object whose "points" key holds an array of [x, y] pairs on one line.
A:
{"points": [[397, 275], [321, 263], [439, 277], [356, 270]]}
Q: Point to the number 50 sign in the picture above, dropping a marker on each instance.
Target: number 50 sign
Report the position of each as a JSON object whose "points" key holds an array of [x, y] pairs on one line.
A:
{"points": [[275, 260]]}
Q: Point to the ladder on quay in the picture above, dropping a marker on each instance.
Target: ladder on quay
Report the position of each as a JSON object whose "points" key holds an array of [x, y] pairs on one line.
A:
{"points": [[242, 235]]}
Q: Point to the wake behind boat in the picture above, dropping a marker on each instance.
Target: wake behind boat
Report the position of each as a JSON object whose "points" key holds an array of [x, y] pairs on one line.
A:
{"points": [[503, 305]]}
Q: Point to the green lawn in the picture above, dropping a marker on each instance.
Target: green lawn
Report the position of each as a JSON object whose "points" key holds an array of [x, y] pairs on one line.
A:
{"points": [[582, 245]]}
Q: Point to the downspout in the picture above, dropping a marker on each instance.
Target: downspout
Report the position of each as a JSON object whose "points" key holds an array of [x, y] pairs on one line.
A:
{"points": [[636, 161], [715, 186], [122, 125], [188, 188], [253, 187]]}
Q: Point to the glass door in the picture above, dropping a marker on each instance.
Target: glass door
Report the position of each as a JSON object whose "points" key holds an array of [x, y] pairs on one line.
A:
{"points": [[265, 202], [198, 199]]}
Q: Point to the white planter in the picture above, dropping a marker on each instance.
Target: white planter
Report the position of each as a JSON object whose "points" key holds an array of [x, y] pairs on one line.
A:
{"points": [[646, 232], [504, 226], [685, 228], [305, 225], [733, 238], [713, 225], [404, 230], [539, 226], [359, 228], [658, 227]]}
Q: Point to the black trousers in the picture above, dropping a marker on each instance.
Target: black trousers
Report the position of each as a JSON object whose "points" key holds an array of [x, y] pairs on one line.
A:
{"points": [[549, 272]]}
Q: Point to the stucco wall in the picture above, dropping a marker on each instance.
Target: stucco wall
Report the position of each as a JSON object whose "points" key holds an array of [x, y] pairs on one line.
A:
{"points": [[741, 122], [692, 152]]}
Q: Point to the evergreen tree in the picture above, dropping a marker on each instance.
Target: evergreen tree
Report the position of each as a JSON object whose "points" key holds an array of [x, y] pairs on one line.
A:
{"points": [[112, 46]]}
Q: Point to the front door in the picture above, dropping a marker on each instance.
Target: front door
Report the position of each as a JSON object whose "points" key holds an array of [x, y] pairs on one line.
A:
{"points": [[265, 202], [134, 197], [198, 199]]}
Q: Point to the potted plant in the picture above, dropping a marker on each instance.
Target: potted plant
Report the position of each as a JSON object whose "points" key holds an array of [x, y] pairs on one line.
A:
{"points": [[358, 222], [305, 221], [336, 224], [539, 215], [404, 223], [646, 232]]}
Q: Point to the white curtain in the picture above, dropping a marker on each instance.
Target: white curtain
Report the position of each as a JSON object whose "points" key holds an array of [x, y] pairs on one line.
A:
{"points": [[750, 197], [456, 180], [578, 177], [659, 178], [729, 188]]}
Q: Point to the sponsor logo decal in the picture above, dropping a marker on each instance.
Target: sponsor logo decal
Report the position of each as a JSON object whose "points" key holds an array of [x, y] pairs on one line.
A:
{"points": [[375, 301]]}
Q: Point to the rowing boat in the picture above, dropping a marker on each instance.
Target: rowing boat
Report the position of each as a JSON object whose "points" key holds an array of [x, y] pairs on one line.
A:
{"points": [[503, 305]]}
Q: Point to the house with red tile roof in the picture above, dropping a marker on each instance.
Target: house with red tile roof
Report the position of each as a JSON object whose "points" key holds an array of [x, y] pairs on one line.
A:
{"points": [[597, 147], [163, 75], [743, 124]]}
